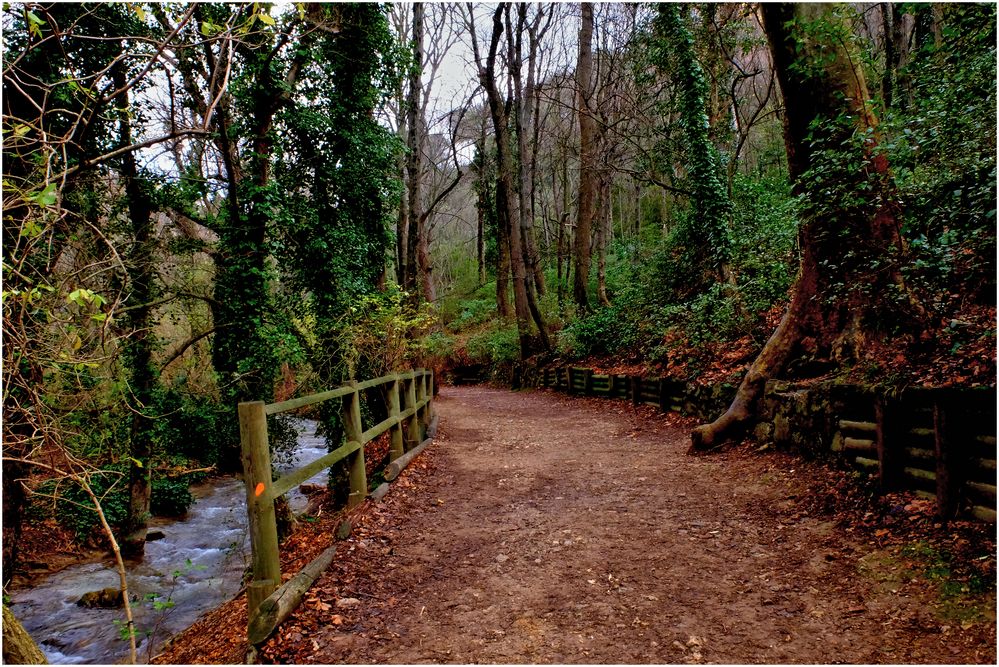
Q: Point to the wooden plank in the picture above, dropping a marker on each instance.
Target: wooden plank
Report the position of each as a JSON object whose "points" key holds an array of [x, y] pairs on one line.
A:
{"points": [[983, 491], [858, 427], [988, 465], [295, 403], [378, 429], [271, 612], [256, 458], [919, 474], [588, 382], [985, 514], [355, 461], [860, 445], [867, 464], [300, 475], [920, 454]]}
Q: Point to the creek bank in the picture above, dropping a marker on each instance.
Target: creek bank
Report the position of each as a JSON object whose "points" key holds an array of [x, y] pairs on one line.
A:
{"points": [[196, 566]]}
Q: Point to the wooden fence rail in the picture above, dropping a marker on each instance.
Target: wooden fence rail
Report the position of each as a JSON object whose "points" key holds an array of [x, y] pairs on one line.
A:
{"points": [[409, 405]]}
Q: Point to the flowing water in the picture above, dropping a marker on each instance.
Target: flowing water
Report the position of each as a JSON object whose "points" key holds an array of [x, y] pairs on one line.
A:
{"points": [[198, 565]]}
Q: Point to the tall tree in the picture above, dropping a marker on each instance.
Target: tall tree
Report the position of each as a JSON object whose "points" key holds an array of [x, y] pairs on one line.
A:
{"points": [[507, 199], [586, 207], [849, 220], [712, 209], [415, 122]]}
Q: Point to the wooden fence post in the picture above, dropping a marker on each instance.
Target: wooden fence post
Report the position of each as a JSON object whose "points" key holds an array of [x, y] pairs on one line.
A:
{"points": [[951, 442], [413, 423], [636, 389], [588, 382], [889, 442], [421, 395], [397, 448], [256, 458], [611, 389], [571, 373], [355, 461]]}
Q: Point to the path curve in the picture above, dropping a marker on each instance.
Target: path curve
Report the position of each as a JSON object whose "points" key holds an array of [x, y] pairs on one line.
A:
{"points": [[547, 529]]}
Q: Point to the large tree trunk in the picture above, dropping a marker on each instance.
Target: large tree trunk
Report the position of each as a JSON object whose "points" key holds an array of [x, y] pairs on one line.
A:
{"points": [[587, 160], [525, 123], [414, 157], [507, 201], [603, 232], [848, 218], [18, 646], [139, 351]]}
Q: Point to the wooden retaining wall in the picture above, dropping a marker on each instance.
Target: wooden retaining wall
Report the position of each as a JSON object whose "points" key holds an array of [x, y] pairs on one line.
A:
{"points": [[938, 442]]}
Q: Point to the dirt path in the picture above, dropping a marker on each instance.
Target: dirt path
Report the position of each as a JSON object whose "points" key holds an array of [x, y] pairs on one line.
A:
{"points": [[544, 529]]}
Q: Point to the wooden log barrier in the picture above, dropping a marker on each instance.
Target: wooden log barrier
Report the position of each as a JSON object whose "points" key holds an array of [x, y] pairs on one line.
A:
{"points": [[272, 611], [393, 469]]}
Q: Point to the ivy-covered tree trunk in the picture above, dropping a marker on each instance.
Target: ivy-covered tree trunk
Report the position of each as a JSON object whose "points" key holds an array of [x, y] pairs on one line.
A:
{"points": [[414, 160], [138, 353], [848, 284], [712, 209], [586, 206]]}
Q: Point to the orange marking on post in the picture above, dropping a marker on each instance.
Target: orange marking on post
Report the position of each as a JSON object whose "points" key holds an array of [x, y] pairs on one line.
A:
{"points": [[259, 490]]}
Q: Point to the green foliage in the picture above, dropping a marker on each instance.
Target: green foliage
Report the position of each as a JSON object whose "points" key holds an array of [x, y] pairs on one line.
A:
{"points": [[66, 500], [942, 150], [189, 426], [171, 496], [496, 345], [603, 331]]}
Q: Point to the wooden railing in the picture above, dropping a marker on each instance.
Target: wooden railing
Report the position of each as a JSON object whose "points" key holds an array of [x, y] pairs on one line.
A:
{"points": [[410, 397]]}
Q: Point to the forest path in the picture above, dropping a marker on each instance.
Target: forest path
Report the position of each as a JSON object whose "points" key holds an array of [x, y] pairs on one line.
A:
{"points": [[546, 529]]}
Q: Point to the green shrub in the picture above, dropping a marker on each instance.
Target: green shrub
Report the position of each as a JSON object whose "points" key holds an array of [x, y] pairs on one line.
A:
{"points": [[170, 496], [604, 331], [498, 344]]}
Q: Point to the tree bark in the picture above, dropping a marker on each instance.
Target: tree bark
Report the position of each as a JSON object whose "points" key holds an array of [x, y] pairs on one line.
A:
{"points": [[18, 646], [414, 157], [587, 160], [139, 351], [506, 194], [603, 229], [827, 318]]}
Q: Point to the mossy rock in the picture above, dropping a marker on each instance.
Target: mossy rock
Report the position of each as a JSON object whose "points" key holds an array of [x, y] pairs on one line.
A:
{"points": [[106, 598]]}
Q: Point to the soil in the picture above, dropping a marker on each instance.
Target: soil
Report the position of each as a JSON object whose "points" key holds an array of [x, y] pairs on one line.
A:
{"points": [[546, 529]]}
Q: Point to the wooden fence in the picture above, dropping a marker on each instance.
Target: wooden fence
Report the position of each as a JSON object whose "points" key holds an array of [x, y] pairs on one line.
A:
{"points": [[938, 442], [410, 406]]}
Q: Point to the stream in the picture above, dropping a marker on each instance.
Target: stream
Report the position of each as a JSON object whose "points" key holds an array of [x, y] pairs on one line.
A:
{"points": [[197, 566]]}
